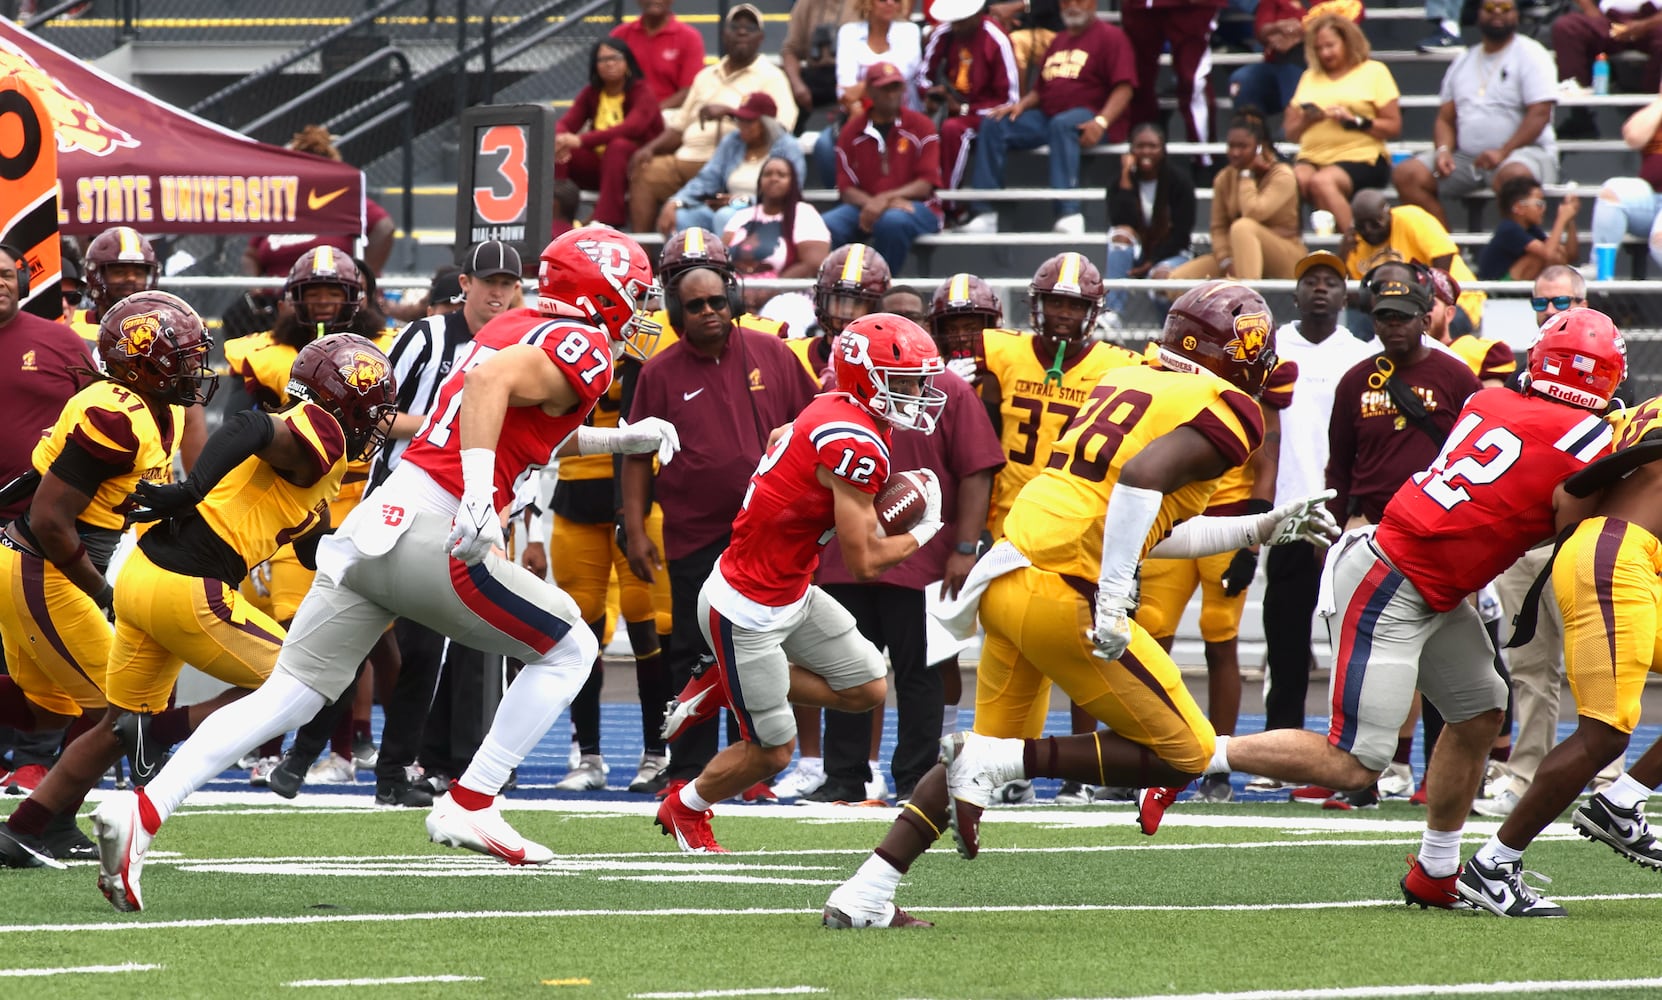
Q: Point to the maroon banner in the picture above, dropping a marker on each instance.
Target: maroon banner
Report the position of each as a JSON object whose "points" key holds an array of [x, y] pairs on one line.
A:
{"points": [[125, 158]]}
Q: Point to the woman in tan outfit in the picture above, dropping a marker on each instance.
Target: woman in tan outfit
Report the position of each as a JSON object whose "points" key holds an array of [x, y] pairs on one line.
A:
{"points": [[1255, 211]]}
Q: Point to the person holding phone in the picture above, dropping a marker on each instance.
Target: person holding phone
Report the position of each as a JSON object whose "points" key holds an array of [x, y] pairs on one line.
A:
{"points": [[1344, 111], [1255, 229]]}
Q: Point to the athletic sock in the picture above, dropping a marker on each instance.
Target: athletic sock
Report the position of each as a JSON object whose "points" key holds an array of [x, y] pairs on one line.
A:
{"points": [[691, 799], [1440, 852], [1495, 853], [1405, 750], [1219, 764], [1625, 792]]}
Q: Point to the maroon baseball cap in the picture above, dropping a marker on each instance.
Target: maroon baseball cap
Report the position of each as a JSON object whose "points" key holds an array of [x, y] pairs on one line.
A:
{"points": [[757, 105], [881, 74], [1444, 287]]}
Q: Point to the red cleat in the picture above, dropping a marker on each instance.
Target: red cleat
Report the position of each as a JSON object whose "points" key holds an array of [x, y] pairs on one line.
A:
{"points": [[1152, 804], [1431, 891], [691, 830], [759, 792], [26, 779], [704, 696], [1418, 798], [670, 788], [1312, 793]]}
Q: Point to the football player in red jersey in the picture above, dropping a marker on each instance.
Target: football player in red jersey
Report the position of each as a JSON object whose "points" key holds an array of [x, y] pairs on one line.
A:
{"points": [[1397, 606], [425, 545], [777, 639]]}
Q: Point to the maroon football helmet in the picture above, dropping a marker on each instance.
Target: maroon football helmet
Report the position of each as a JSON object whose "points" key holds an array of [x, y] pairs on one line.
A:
{"points": [[964, 294], [154, 343], [1069, 275], [689, 250], [118, 245], [324, 266], [350, 377], [1225, 328], [852, 282]]}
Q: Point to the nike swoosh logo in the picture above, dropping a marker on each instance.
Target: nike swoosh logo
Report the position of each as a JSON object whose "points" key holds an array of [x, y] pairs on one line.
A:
{"points": [[142, 765], [516, 856], [688, 395], [1500, 898], [314, 201]]}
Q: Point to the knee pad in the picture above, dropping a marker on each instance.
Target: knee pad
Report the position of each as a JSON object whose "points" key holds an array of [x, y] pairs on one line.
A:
{"points": [[774, 727], [1220, 619]]}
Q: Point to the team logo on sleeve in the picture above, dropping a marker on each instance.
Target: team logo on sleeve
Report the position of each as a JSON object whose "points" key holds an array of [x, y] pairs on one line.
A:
{"points": [[364, 373], [139, 333], [1252, 332]]}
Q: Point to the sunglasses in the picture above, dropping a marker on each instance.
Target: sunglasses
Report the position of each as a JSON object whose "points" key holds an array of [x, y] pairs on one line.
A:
{"points": [[1558, 302], [71, 298], [698, 307], [1498, 8]]}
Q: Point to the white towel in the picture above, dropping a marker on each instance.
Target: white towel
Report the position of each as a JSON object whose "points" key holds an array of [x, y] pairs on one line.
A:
{"points": [[1327, 602], [958, 615]]}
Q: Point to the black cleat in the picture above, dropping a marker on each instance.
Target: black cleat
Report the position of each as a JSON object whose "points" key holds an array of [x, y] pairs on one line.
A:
{"points": [[402, 792], [1622, 830], [290, 773], [63, 837], [21, 850], [144, 755]]}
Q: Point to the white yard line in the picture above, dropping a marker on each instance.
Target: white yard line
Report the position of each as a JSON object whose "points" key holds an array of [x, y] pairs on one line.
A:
{"points": [[762, 991], [76, 970], [589, 914], [1423, 990], [389, 981]]}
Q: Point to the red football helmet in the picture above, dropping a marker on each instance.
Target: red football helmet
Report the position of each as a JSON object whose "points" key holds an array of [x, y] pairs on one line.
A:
{"points": [[852, 282], [1069, 275], [964, 295], [873, 351], [603, 277], [1579, 359], [1225, 328], [119, 245], [154, 344], [324, 267], [350, 377]]}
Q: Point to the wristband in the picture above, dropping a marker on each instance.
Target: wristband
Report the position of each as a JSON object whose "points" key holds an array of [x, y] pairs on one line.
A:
{"points": [[924, 532], [479, 471], [73, 557], [1258, 505], [105, 598]]}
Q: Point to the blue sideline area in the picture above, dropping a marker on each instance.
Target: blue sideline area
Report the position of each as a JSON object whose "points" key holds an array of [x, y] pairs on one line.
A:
{"points": [[621, 745]]}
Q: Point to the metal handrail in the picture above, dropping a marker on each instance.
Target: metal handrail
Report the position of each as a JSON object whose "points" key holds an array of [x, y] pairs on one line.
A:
{"points": [[490, 36], [305, 51], [35, 20]]}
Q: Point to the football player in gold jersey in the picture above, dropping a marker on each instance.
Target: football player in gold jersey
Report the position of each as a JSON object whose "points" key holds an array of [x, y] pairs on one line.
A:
{"points": [[1165, 585], [121, 429], [852, 282], [264, 479], [1130, 475]]}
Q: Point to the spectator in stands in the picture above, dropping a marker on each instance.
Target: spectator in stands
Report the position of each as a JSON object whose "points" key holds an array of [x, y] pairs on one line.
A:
{"points": [[809, 55], [1520, 247], [1083, 90], [729, 182], [882, 34], [669, 51], [1255, 231], [1344, 110], [888, 167], [1269, 85], [1410, 233], [1630, 206], [1495, 120], [660, 168], [272, 256], [1151, 217], [968, 69], [1605, 27], [1185, 28], [567, 196], [1031, 25], [779, 235], [1491, 361], [608, 121]]}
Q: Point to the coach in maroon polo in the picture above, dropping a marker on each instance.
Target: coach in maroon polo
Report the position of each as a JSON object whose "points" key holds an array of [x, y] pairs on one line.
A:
{"points": [[888, 167], [36, 356], [726, 387]]}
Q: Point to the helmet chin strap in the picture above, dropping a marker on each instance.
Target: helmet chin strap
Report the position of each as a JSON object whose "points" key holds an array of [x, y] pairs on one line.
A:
{"points": [[1053, 374]]}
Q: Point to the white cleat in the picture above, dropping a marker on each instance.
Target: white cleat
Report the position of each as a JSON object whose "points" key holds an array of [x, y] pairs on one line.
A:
{"points": [[846, 911], [122, 841], [974, 774], [484, 831]]}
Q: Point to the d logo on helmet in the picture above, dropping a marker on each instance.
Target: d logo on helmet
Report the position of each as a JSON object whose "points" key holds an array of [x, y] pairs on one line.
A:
{"points": [[139, 333], [1252, 331], [364, 373]]}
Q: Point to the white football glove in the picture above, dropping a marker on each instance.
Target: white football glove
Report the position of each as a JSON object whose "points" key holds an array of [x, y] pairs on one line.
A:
{"points": [[649, 434], [1111, 632], [930, 484], [1306, 520], [477, 530], [260, 578], [964, 368]]}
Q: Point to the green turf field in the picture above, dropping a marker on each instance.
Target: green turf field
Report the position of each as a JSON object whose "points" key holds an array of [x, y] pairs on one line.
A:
{"points": [[1251, 901]]}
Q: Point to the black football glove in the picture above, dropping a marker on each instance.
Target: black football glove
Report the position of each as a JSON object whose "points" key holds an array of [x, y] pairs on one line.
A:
{"points": [[161, 500], [1242, 568]]}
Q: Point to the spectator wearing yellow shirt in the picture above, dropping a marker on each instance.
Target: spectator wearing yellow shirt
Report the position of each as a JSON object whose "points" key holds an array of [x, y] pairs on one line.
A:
{"points": [[1410, 233], [1344, 110]]}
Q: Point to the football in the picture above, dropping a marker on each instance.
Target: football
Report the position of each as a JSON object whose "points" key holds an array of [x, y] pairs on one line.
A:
{"points": [[900, 505]]}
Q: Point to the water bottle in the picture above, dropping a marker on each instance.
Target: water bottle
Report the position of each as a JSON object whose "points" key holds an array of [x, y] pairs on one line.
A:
{"points": [[1601, 75]]}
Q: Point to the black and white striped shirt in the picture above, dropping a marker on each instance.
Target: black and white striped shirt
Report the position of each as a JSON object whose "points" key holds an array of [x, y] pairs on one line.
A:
{"points": [[422, 358]]}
